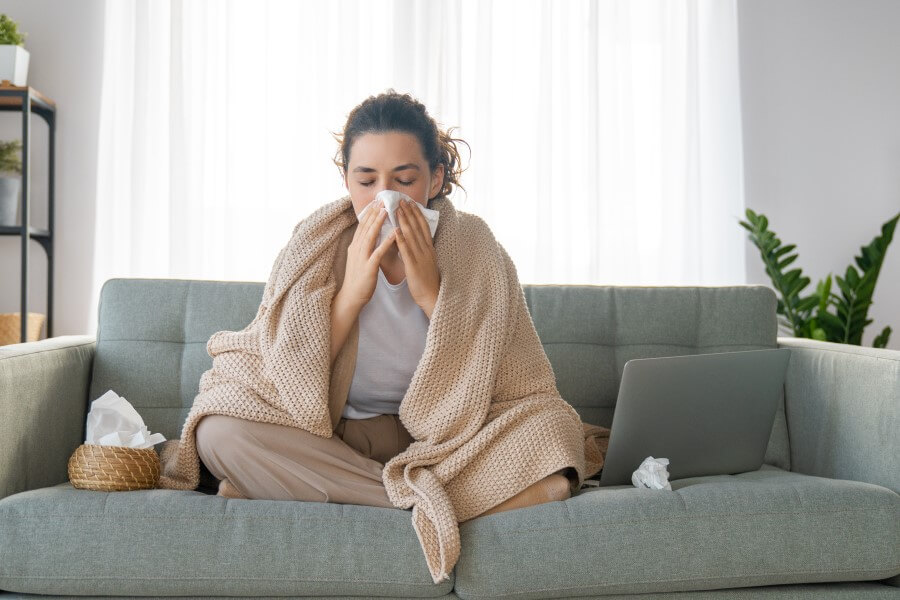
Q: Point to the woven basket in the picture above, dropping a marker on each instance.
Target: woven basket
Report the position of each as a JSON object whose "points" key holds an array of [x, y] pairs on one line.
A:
{"points": [[113, 468], [11, 326]]}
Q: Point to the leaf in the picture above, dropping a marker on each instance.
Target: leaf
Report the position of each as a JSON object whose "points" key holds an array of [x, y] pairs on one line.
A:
{"points": [[857, 288], [860, 309], [852, 277], [787, 261], [843, 311], [846, 290], [868, 258], [751, 216], [832, 326], [784, 250], [823, 289], [808, 303], [787, 285], [796, 287], [791, 276], [881, 340]]}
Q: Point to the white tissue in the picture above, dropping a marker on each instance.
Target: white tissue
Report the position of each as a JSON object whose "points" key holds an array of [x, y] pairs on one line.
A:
{"points": [[391, 200], [652, 473], [112, 421]]}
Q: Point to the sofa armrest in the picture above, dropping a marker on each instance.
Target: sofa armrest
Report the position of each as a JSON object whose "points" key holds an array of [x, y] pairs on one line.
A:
{"points": [[43, 405], [842, 404]]}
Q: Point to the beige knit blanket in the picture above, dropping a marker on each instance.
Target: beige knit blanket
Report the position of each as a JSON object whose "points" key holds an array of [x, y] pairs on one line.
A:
{"points": [[482, 405]]}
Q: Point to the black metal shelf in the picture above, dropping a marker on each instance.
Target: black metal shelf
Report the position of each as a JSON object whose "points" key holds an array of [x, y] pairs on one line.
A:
{"points": [[28, 100]]}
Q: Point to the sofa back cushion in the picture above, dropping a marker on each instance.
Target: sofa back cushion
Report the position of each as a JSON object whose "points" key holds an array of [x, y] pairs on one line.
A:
{"points": [[151, 341], [152, 335]]}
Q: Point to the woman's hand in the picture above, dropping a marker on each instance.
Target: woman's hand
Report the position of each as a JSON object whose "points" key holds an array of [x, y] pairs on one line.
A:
{"points": [[361, 272], [419, 257]]}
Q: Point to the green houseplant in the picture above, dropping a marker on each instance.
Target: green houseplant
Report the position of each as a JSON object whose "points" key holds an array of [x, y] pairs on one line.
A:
{"points": [[10, 181], [811, 316], [9, 32], [13, 56], [10, 157]]}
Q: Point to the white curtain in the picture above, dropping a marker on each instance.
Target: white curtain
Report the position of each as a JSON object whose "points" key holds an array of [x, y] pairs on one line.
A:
{"points": [[605, 135]]}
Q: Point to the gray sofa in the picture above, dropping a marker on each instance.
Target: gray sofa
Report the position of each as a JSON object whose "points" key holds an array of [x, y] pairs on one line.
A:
{"points": [[820, 519]]}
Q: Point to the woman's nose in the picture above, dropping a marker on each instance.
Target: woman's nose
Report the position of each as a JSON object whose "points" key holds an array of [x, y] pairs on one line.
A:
{"points": [[384, 186]]}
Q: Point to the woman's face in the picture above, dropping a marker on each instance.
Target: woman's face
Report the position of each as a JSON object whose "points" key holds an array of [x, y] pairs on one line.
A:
{"points": [[390, 161]]}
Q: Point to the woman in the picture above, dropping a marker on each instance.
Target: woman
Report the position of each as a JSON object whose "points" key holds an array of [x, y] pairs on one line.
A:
{"points": [[389, 143]]}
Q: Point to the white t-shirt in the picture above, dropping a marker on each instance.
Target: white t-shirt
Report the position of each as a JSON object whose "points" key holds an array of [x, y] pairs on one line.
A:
{"points": [[392, 331]]}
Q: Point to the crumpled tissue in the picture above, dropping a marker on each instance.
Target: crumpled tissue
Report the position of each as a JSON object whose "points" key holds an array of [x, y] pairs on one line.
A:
{"points": [[391, 199], [652, 473], [113, 421]]}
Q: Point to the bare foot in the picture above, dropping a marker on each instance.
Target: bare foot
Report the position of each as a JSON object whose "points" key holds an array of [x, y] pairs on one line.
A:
{"points": [[227, 490], [552, 488]]}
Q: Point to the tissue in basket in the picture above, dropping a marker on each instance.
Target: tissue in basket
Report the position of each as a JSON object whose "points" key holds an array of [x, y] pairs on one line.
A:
{"points": [[118, 454]]}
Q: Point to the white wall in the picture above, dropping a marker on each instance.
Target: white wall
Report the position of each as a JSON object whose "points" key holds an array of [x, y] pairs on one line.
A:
{"points": [[65, 43], [821, 107]]}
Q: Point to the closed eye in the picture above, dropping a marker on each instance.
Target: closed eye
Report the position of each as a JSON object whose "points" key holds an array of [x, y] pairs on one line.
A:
{"points": [[368, 183]]}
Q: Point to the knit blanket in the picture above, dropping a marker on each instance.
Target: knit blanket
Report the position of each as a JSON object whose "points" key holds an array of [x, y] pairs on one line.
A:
{"points": [[482, 405]]}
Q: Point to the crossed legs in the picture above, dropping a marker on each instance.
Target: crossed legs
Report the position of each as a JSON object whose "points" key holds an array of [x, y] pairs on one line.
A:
{"points": [[276, 462]]}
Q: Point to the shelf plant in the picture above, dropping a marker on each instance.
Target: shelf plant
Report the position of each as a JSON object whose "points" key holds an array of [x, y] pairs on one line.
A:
{"points": [[9, 32], [10, 181], [10, 157], [822, 315], [13, 55]]}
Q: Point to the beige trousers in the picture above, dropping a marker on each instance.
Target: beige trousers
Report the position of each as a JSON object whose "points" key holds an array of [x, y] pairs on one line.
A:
{"points": [[277, 462]]}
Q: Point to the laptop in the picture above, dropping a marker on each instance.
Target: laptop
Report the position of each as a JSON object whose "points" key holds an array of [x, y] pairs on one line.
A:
{"points": [[709, 414]]}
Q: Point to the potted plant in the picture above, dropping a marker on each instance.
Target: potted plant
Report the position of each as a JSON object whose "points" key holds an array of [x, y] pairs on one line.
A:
{"points": [[811, 316], [13, 56], [10, 181]]}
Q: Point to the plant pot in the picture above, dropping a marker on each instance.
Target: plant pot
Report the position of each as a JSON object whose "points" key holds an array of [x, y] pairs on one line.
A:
{"points": [[9, 201], [14, 64]]}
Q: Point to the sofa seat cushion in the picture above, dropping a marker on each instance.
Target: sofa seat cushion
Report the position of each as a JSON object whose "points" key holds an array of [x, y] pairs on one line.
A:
{"points": [[757, 528], [63, 540]]}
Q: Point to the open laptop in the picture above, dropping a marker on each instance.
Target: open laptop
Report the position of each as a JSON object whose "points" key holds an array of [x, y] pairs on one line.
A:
{"points": [[709, 414]]}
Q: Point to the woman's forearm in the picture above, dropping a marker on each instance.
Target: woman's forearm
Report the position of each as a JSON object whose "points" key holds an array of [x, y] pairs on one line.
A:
{"points": [[343, 315]]}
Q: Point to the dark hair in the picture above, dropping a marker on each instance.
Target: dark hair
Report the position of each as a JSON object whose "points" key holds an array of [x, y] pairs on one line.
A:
{"points": [[391, 111]]}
